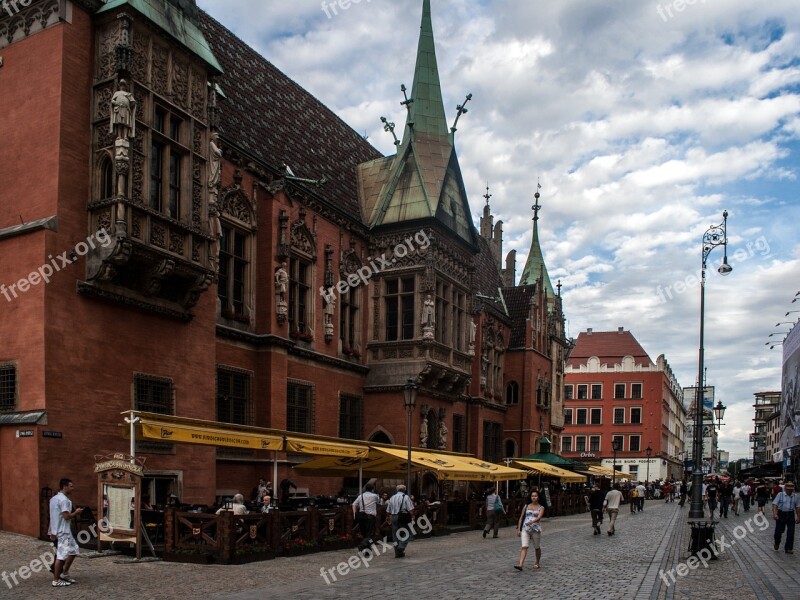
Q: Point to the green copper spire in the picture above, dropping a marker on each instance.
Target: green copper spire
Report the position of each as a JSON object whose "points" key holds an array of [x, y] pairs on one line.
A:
{"points": [[534, 266], [426, 113]]}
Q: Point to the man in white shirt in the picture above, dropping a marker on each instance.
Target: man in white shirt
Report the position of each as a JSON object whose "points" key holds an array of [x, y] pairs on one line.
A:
{"points": [[61, 514], [401, 534], [365, 512], [611, 506], [786, 512], [642, 492]]}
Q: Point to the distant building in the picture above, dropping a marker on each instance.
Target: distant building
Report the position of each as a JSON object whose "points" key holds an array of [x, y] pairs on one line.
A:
{"points": [[710, 434], [614, 391], [767, 409]]}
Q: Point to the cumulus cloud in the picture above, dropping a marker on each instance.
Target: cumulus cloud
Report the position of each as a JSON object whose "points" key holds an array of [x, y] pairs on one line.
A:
{"points": [[642, 128]]}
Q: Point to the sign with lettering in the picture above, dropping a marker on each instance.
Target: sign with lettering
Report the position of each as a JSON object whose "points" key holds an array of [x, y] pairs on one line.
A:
{"points": [[24, 433], [53, 434]]}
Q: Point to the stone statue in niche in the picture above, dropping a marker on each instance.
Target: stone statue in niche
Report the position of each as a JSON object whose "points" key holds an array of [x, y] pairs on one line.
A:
{"points": [[123, 112], [442, 435], [215, 159], [428, 318], [471, 346], [328, 310], [214, 162], [423, 431], [281, 286]]}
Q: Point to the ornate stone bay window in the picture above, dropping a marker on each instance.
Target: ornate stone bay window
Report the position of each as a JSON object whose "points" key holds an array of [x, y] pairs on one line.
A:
{"points": [[155, 176]]}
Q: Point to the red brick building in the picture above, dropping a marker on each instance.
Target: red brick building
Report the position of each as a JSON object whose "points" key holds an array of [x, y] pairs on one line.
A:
{"points": [[208, 240], [613, 390]]}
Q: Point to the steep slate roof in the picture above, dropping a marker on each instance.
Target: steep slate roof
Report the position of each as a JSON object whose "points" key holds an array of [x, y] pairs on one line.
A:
{"points": [[271, 118], [518, 301], [423, 179], [487, 280], [609, 346]]}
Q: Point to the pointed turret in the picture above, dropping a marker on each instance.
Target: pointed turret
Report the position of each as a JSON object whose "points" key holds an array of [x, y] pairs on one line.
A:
{"points": [[534, 266], [426, 112], [423, 180]]}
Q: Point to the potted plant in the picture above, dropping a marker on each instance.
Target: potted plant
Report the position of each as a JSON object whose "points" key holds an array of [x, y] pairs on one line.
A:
{"points": [[299, 546], [337, 542]]}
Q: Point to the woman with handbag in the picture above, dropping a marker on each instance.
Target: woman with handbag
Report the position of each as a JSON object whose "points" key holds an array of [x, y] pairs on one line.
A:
{"points": [[530, 531], [494, 509]]}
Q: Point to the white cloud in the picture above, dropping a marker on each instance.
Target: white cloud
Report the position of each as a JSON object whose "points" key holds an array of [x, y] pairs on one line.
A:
{"points": [[641, 130]]}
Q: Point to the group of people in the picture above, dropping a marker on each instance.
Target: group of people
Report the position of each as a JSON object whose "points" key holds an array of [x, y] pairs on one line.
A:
{"points": [[399, 513]]}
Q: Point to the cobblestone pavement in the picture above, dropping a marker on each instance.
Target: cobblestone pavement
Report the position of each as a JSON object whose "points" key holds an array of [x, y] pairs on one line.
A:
{"points": [[635, 563]]}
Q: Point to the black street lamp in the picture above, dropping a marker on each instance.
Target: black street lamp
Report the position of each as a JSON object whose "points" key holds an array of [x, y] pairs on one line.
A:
{"points": [[719, 413], [409, 401], [616, 446], [716, 235], [648, 451]]}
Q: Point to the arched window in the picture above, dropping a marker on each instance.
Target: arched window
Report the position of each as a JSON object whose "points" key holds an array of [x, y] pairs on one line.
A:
{"points": [[512, 393], [106, 178], [511, 448]]}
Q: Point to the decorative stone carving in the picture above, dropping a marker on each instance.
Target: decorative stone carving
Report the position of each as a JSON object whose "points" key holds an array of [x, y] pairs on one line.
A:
{"points": [[215, 166], [423, 429], [442, 445], [471, 340], [281, 287], [328, 311], [123, 112], [157, 274], [428, 318], [179, 82]]}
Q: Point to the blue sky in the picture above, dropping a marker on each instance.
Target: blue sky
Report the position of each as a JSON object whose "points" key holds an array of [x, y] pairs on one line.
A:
{"points": [[643, 124]]}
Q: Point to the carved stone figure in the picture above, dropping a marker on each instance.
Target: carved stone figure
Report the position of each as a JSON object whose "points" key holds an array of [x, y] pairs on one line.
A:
{"points": [[214, 161], [328, 310], [423, 432], [428, 318], [281, 282], [123, 112], [281, 286], [442, 435], [472, 329]]}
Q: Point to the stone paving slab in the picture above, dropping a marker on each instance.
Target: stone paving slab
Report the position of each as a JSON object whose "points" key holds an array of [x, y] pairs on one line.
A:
{"points": [[575, 565]]}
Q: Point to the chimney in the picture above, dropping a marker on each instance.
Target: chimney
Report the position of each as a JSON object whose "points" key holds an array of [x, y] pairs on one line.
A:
{"points": [[620, 330], [588, 331]]}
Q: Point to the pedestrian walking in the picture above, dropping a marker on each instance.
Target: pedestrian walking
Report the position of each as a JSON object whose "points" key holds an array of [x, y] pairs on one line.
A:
{"points": [[399, 512], [762, 495], [641, 493], [60, 531], [530, 530], [747, 491], [736, 497], [493, 507], [786, 513], [596, 499], [611, 506], [365, 514], [711, 494], [725, 495]]}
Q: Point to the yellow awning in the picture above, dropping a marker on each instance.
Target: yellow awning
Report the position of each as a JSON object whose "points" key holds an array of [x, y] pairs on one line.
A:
{"points": [[462, 468], [164, 431], [375, 464], [325, 448], [542, 468], [607, 472]]}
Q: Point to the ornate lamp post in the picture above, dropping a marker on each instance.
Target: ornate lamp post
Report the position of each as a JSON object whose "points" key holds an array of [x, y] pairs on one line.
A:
{"points": [[409, 401], [719, 413], [648, 451], [716, 235], [616, 446]]}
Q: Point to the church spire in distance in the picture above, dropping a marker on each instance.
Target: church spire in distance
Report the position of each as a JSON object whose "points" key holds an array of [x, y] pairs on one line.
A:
{"points": [[534, 266]]}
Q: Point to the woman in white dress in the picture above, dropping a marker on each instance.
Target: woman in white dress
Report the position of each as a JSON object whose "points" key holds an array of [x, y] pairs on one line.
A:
{"points": [[529, 529]]}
